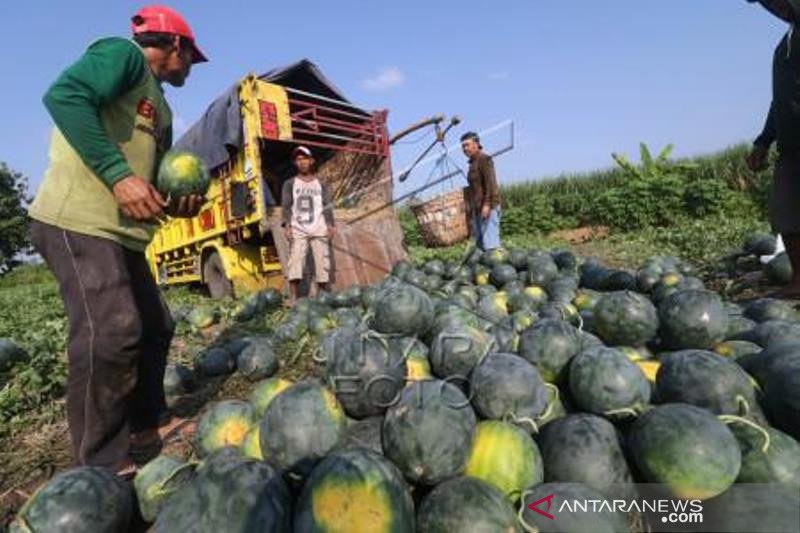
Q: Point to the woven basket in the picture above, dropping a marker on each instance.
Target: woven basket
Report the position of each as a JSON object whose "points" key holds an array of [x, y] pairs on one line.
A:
{"points": [[444, 219]]}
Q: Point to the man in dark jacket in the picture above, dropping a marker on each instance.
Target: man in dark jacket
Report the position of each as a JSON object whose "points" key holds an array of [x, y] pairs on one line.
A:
{"points": [[93, 216], [783, 128], [483, 193]]}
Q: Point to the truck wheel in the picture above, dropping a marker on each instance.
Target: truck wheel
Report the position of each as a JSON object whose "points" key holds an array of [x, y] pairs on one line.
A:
{"points": [[219, 286]]}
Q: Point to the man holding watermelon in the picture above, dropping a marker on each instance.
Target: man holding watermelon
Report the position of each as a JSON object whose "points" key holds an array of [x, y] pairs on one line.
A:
{"points": [[783, 127], [94, 214]]}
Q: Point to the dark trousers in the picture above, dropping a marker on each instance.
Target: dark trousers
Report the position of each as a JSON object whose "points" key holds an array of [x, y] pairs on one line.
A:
{"points": [[120, 330]]}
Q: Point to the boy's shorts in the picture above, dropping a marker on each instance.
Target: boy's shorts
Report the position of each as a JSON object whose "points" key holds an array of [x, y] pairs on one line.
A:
{"points": [[320, 249]]}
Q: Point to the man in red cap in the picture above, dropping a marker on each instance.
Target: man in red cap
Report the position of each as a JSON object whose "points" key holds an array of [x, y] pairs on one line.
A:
{"points": [[94, 214]]}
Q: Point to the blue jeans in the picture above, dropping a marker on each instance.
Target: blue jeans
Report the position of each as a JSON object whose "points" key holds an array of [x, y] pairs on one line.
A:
{"points": [[487, 232]]}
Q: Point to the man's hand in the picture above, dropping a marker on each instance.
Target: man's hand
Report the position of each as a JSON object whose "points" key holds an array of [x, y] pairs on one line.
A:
{"points": [[485, 211], [287, 232], [185, 206], [138, 199], [757, 159], [331, 232]]}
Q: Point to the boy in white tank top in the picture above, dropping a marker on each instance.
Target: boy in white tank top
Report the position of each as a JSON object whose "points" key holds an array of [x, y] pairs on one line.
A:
{"points": [[308, 221]]}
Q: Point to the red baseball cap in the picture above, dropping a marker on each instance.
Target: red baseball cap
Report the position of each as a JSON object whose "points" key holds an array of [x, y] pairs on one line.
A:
{"points": [[162, 19]]}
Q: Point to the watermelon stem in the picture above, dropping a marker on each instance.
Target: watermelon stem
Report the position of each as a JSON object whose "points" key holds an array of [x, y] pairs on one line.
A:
{"points": [[523, 420], [733, 419], [634, 411], [556, 396], [744, 405], [520, 518]]}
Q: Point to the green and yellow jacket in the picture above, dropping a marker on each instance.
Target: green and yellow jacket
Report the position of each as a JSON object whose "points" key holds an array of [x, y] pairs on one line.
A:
{"points": [[111, 121]]}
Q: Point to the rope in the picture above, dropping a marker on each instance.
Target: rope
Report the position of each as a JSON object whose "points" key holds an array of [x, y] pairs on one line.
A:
{"points": [[732, 419]]}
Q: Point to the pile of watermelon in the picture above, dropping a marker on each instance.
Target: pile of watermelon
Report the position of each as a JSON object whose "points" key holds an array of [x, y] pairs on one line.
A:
{"points": [[451, 395]]}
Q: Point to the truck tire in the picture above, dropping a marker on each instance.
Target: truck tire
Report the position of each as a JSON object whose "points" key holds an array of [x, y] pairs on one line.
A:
{"points": [[219, 286]]}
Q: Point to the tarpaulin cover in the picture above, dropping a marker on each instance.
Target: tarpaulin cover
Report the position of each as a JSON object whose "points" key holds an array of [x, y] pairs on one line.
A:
{"points": [[218, 133]]}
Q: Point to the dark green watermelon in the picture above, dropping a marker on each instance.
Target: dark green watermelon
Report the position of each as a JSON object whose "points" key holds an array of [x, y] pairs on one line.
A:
{"points": [[428, 433], [182, 173], [565, 260], [647, 278], [518, 258], [258, 359], [504, 386], [737, 350], [514, 286], [549, 345], [604, 381], [400, 268], [247, 309], [772, 332], [760, 244], [765, 309], [569, 519], [365, 433], [620, 280], [594, 276], [673, 444], [292, 328], [355, 490], [707, 380], [300, 426], [692, 319], [434, 267], [415, 278], [494, 257], [457, 349], [768, 455], [178, 380], [625, 318], [738, 326], [501, 274], [779, 270], [466, 504], [269, 299], [562, 289], [782, 395], [157, 481], [403, 310], [78, 500], [759, 365], [367, 375], [584, 448], [541, 270], [752, 508], [214, 362], [229, 493], [504, 338]]}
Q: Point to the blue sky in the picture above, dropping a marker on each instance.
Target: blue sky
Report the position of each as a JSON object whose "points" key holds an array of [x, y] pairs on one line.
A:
{"points": [[580, 79]]}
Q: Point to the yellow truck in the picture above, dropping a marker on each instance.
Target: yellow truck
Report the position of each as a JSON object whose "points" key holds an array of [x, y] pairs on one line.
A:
{"points": [[235, 244]]}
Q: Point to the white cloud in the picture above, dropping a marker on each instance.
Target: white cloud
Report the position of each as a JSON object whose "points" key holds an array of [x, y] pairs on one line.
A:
{"points": [[496, 76], [387, 78]]}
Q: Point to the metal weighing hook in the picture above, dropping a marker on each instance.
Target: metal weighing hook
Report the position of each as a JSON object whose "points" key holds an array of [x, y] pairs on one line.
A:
{"points": [[440, 135]]}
